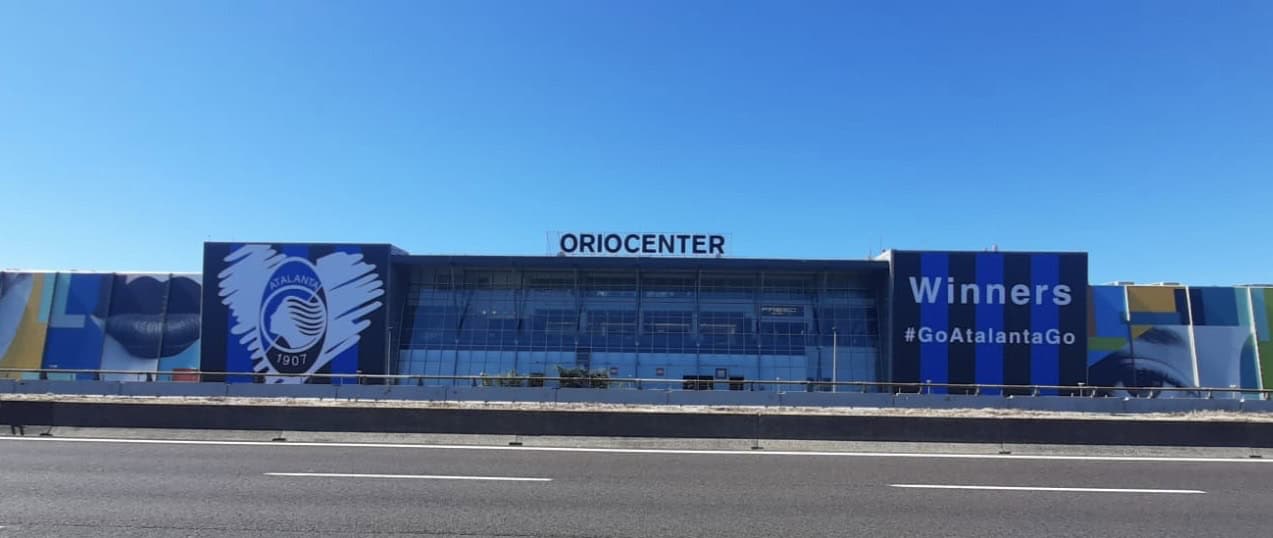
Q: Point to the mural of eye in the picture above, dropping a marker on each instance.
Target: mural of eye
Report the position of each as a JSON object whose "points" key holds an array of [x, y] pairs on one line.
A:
{"points": [[1161, 359], [1172, 336]]}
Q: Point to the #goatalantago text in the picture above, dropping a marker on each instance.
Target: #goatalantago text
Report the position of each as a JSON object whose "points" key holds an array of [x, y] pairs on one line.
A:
{"points": [[928, 290], [965, 335]]}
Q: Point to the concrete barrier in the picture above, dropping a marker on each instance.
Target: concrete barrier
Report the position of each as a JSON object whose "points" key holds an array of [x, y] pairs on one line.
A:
{"points": [[948, 401], [638, 397], [637, 424], [613, 396], [1065, 404], [280, 390], [172, 389], [391, 392], [500, 394], [723, 397], [434, 393], [1178, 405], [1257, 406], [28, 386], [835, 399], [36, 386], [362, 392]]}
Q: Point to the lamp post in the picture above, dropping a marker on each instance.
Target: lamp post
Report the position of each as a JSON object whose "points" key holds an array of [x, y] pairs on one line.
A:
{"points": [[834, 359]]}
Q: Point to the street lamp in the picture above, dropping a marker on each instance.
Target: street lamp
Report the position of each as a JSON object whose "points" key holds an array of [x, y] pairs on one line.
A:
{"points": [[834, 359]]}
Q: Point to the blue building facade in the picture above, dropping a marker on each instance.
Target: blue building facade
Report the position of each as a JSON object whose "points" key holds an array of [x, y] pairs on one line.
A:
{"points": [[644, 317], [619, 305]]}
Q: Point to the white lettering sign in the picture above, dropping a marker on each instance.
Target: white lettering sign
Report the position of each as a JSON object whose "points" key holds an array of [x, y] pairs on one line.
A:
{"points": [[637, 244]]}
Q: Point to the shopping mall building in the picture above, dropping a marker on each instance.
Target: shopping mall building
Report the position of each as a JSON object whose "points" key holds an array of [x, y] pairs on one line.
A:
{"points": [[653, 306]]}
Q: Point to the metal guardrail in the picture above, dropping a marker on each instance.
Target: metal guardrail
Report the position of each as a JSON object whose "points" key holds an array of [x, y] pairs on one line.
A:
{"points": [[888, 387]]}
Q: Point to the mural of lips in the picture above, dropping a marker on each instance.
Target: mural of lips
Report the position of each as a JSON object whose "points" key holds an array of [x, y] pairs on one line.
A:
{"points": [[152, 323], [139, 321]]}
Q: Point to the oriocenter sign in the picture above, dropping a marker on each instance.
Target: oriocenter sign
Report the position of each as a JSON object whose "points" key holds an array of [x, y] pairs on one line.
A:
{"points": [[637, 244]]}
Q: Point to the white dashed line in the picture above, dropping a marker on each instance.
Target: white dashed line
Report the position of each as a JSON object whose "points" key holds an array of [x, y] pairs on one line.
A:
{"points": [[1048, 489], [416, 476]]}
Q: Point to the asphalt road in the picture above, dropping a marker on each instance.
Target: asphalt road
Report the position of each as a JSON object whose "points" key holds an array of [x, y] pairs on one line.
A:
{"points": [[61, 488]]}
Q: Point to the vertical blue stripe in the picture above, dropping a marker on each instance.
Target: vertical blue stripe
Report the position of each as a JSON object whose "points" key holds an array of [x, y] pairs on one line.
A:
{"points": [[74, 338], [933, 358], [990, 319], [1045, 359], [347, 361], [1109, 311]]}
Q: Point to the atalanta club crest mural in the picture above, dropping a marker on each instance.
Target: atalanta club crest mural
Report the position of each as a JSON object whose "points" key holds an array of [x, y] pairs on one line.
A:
{"points": [[297, 310]]}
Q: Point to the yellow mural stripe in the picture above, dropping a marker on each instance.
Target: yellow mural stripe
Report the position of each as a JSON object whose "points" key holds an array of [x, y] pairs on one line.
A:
{"points": [[1151, 299], [27, 348]]}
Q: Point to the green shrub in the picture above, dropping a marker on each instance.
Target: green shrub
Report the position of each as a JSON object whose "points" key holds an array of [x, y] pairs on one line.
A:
{"points": [[583, 378], [507, 379]]}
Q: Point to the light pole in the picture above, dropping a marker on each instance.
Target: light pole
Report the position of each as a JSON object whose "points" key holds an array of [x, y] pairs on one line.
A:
{"points": [[834, 359]]}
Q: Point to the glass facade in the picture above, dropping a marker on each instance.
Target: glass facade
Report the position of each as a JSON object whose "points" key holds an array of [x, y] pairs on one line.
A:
{"points": [[632, 322]]}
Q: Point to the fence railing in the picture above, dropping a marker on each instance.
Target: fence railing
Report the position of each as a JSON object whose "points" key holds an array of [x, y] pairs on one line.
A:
{"points": [[503, 380]]}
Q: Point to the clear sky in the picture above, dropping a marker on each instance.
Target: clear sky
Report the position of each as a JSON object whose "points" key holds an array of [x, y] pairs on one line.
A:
{"points": [[1141, 132]]}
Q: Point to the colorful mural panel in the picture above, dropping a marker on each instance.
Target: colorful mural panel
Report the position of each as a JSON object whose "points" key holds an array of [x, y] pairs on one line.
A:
{"points": [[1262, 318], [76, 330], [1109, 361], [1223, 337], [24, 319], [180, 350], [144, 323], [1161, 347]]}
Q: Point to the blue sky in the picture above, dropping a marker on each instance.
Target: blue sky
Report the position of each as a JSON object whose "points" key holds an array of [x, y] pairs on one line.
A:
{"points": [[1141, 132]]}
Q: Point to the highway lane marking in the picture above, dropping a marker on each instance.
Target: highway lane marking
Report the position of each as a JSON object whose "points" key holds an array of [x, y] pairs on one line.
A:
{"points": [[416, 476], [1054, 489], [654, 451]]}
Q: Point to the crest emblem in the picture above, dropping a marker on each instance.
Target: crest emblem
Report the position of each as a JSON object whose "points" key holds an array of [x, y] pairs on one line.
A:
{"points": [[293, 315]]}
